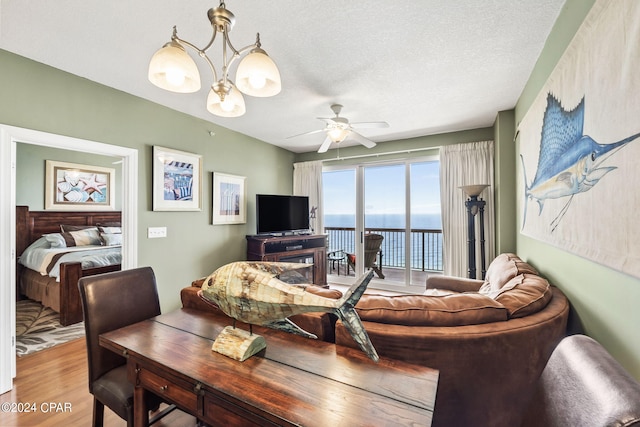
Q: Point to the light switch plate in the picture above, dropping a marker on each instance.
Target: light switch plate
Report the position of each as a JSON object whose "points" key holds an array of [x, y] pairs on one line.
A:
{"points": [[156, 232]]}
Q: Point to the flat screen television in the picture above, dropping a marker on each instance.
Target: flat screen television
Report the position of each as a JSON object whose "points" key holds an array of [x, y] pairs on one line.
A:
{"points": [[276, 214]]}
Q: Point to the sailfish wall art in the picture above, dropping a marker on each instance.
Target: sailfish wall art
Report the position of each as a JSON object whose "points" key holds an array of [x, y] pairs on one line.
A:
{"points": [[569, 163], [578, 179]]}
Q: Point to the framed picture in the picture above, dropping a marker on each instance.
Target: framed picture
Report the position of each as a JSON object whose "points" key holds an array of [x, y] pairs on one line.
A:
{"points": [[177, 180], [75, 187], [229, 199]]}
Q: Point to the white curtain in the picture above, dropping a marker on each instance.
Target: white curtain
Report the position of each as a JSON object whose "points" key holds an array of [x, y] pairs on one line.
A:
{"points": [[465, 164], [307, 181]]}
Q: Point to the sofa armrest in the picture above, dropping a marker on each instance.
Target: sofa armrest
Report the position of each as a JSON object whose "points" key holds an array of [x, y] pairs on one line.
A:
{"points": [[457, 284]]}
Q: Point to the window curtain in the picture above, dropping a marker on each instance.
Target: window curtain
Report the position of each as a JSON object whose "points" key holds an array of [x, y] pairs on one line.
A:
{"points": [[307, 181], [465, 164]]}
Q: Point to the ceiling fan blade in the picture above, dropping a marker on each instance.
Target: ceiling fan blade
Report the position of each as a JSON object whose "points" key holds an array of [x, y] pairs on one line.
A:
{"points": [[306, 133], [325, 145], [363, 125], [355, 136], [327, 120]]}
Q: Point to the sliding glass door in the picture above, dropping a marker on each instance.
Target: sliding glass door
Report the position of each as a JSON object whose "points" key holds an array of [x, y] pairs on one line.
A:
{"points": [[386, 216]]}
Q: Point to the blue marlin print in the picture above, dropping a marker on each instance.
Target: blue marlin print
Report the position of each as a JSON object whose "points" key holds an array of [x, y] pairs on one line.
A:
{"points": [[569, 161]]}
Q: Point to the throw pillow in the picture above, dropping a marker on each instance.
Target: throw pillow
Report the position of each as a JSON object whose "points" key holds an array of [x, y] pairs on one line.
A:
{"points": [[525, 294]]}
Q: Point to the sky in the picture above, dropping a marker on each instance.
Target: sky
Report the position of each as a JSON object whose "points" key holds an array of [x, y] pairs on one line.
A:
{"points": [[384, 189]]}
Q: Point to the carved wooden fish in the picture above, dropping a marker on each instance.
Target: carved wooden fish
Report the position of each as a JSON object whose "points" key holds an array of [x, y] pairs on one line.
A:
{"points": [[252, 293]]}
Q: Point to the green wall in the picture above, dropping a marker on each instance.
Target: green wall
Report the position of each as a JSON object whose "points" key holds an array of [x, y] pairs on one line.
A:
{"points": [[412, 147], [39, 97], [604, 300]]}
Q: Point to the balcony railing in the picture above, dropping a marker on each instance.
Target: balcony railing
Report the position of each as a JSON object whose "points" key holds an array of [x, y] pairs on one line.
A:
{"points": [[426, 246]]}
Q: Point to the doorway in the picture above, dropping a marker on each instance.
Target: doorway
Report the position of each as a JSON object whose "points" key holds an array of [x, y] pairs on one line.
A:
{"points": [[10, 136], [399, 201]]}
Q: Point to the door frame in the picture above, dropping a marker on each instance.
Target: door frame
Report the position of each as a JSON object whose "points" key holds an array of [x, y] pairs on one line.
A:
{"points": [[10, 136]]}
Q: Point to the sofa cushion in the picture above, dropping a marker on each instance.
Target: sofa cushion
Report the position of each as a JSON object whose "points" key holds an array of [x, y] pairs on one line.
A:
{"points": [[502, 269], [426, 310], [323, 292], [523, 295]]}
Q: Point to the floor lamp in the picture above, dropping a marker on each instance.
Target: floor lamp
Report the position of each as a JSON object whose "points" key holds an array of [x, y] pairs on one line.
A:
{"points": [[474, 206]]}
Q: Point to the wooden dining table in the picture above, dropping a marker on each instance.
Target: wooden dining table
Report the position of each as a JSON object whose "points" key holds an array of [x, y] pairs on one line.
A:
{"points": [[295, 381]]}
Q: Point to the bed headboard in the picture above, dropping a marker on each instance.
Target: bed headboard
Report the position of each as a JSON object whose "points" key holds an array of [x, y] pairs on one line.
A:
{"points": [[31, 225]]}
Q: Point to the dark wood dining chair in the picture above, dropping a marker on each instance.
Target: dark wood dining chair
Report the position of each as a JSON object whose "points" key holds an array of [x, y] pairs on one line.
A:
{"points": [[111, 301]]}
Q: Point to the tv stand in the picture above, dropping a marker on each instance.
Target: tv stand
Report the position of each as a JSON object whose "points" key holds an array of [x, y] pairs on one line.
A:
{"points": [[306, 249]]}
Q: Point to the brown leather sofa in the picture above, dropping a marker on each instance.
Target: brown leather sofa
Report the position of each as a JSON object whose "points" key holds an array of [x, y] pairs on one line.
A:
{"points": [[490, 340]]}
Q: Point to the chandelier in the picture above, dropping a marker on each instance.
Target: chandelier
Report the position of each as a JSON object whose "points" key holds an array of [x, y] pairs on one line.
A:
{"points": [[172, 68]]}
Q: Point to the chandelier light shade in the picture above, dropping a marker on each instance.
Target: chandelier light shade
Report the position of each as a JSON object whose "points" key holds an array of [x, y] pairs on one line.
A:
{"points": [[257, 75], [231, 106], [172, 68]]}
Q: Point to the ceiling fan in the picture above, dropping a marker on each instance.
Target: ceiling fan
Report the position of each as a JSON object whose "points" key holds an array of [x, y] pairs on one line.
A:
{"points": [[339, 129]]}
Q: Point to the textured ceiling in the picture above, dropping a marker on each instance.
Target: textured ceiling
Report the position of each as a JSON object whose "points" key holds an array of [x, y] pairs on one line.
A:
{"points": [[424, 66]]}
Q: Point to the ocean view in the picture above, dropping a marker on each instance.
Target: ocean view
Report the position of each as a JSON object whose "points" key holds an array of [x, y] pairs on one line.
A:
{"points": [[418, 221], [426, 247]]}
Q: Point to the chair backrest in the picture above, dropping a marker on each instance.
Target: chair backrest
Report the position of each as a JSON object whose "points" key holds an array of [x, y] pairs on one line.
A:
{"points": [[583, 385], [372, 245], [111, 301]]}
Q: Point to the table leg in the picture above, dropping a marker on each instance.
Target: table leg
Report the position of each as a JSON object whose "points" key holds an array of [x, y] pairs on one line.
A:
{"points": [[140, 410]]}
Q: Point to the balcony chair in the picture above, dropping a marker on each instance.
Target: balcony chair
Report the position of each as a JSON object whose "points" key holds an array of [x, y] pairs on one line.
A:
{"points": [[335, 258], [111, 301], [372, 254]]}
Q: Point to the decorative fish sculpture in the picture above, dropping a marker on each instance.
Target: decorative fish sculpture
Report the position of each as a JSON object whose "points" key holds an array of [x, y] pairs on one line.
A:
{"points": [[569, 161], [252, 293]]}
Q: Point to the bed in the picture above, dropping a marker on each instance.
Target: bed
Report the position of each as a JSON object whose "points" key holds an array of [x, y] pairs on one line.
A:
{"points": [[59, 289]]}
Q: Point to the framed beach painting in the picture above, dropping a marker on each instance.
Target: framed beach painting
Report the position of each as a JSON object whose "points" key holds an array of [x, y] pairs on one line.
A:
{"points": [[76, 187], [177, 180], [229, 199]]}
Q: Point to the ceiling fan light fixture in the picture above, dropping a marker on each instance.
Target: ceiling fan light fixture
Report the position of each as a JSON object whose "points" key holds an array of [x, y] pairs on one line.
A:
{"points": [[338, 134], [225, 104], [171, 68], [257, 75]]}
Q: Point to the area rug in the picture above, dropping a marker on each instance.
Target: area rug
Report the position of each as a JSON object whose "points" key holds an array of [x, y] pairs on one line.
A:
{"points": [[39, 327]]}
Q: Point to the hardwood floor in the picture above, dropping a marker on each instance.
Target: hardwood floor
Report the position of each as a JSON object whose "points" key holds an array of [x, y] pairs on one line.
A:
{"points": [[53, 384]]}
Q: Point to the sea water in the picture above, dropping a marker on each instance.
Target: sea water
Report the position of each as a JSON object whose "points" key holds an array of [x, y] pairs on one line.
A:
{"points": [[418, 221], [393, 246]]}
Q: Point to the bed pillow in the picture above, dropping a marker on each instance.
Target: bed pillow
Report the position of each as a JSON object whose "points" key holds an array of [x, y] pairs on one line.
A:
{"points": [[55, 240], [66, 228], [110, 224], [89, 236], [111, 239], [110, 230]]}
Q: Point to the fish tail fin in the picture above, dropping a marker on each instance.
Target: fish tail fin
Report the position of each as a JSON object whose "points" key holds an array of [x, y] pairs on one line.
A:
{"points": [[527, 188], [352, 323]]}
